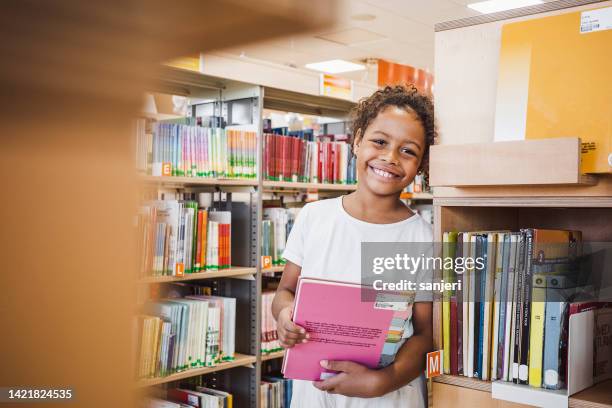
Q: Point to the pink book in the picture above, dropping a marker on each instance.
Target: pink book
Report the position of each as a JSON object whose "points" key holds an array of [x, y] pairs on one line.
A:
{"points": [[343, 324]]}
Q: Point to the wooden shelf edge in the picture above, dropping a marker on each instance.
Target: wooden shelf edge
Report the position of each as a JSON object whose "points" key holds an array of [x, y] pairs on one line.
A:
{"points": [[309, 186], [465, 382], [597, 396], [240, 360], [278, 268], [272, 356], [225, 273], [199, 181], [416, 196], [600, 202]]}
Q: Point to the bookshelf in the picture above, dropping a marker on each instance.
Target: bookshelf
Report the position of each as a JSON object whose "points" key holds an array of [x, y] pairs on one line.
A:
{"points": [[268, 185], [485, 203], [272, 356], [239, 360], [234, 271], [241, 376]]}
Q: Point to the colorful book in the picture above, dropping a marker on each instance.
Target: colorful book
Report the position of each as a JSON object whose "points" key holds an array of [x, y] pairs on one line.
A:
{"points": [[346, 322]]}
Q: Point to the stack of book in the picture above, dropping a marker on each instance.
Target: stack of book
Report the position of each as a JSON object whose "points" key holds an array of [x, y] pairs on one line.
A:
{"points": [[509, 318], [276, 226], [269, 336], [289, 158], [276, 392], [172, 149], [178, 237], [179, 334], [202, 397]]}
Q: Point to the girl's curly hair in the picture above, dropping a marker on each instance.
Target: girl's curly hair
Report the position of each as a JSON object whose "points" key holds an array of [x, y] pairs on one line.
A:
{"points": [[404, 97]]}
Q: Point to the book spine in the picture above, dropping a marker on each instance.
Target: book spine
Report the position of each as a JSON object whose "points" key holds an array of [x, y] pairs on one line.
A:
{"points": [[446, 308], [518, 314], [526, 313], [554, 315], [453, 334], [536, 338]]}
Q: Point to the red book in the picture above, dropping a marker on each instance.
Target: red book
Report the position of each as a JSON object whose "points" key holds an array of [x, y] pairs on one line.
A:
{"points": [[295, 158], [320, 162], [337, 162], [454, 348], [287, 158], [185, 396], [330, 163], [278, 163]]}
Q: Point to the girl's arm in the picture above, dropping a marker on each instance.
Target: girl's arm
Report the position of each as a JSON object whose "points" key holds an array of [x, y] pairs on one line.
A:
{"points": [[356, 380], [289, 333]]}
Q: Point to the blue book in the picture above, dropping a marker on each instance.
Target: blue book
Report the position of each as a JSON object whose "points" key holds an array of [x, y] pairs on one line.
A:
{"points": [[481, 251]]}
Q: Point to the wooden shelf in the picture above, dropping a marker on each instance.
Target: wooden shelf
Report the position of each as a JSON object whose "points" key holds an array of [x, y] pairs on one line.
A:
{"points": [[278, 268], [240, 360], [416, 196], [545, 162], [465, 382], [272, 356], [309, 186], [597, 396], [225, 273], [198, 181]]}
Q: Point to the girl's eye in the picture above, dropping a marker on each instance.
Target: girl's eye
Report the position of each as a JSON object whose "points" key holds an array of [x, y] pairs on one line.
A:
{"points": [[409, 152], [379, 142]]}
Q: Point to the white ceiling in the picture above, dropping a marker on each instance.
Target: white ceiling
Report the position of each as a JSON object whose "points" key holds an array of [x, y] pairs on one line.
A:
{"points": [[402, 32]]}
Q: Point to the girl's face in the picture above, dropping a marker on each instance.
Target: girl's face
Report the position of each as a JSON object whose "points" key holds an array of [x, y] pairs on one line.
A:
{"points": [[390, 151]]}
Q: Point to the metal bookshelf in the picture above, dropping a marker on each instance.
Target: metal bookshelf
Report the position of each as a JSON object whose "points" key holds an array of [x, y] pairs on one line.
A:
{"points": [[242, 376]]}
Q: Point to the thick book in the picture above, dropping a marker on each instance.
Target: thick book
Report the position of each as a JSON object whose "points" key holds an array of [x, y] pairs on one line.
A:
{"points": [[346, 322]]}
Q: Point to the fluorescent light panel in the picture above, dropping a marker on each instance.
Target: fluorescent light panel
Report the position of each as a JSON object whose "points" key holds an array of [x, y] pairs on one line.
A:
{"points": [[335, 66], [493, 6]]}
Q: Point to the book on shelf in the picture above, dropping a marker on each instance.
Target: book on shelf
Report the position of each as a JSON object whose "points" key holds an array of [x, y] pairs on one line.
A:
{"points": [[269, 336], [276, 226], [297, 159], [178, 334], [512, 315], [202, 397], [162, 403], [172, 149], [179, 237], [276, 392], [345, 321]]}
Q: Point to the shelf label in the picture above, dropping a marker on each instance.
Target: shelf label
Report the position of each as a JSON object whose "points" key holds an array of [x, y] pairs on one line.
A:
{"points": [[434, 363], [266, 262], [596, 20]]}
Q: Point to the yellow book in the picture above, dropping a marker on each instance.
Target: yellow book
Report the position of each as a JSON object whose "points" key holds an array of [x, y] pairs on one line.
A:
{"points": [[449, 241], [536, 330]]}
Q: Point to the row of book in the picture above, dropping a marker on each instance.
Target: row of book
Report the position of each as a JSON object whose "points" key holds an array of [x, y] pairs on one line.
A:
{"points": [[179, 334], [269, 336], [418, 185], [288, 158], [508, 320], [276, 226], [276, 392], [201, 397], [194, 151], [178, 237]]}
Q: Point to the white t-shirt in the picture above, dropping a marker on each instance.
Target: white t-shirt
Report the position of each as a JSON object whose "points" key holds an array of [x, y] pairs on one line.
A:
{"points": [[325, 242]]}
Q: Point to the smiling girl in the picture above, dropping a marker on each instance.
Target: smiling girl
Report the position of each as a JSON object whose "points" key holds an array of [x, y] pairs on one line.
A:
{"points": [[393, 130]]}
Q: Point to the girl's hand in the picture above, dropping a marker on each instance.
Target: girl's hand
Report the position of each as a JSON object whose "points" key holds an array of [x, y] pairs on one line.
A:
{"points": [[289, 333], [354, 380]]}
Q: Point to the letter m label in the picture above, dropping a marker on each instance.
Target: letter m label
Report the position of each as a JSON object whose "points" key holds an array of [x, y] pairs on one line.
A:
{"points": [[434, 364]]}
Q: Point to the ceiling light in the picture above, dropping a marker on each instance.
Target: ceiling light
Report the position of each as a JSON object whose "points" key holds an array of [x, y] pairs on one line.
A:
{"points": [[335, 66], [493, 6]]}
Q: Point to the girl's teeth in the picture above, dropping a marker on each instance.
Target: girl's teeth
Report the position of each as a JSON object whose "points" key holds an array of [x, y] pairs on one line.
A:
{"points": [[383, 173]]}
